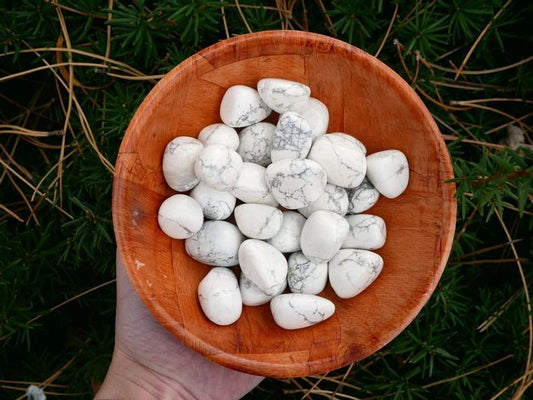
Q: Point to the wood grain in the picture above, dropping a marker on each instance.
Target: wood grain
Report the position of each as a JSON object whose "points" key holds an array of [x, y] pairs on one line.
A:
{"points": [[365, 99]]}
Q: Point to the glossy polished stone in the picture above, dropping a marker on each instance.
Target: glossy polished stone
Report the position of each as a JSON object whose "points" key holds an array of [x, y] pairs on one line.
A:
{"points": [[287, 240], [305, 276], [258, 221], [216, 204], [333, 199], [388, 171], [255, 143], [341, 158], [218, 166], [252, 295], [362, 197], [216, 243], [298, 310], [281, 94], [315, 113], [292, 137], [178, 162], [351, 271], [180, 216], [322, 235], [264, 265], [220, 297], [242, 106], [296, 183], [352, 139], [219, 134], [251, 186], [366, 232]]}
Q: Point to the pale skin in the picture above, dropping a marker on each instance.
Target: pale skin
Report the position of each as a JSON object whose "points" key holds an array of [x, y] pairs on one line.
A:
{"points": [[150, 363]]}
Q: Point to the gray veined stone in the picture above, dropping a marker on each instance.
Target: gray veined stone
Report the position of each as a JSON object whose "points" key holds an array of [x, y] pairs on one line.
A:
{"points": [[216, 204], [264, 265], [287, 240], [322, 235], [388, 171], [292, 137], [242, 106], [298, 310], [219, 134], [306, 276], [296, 183], [255, 143], [180, 216], [218, 166], [367, 232], [351, 271], [216, 244], [178, 162], [362, 197], [258, 221], [281, 94], [220, 297], [341, 158]]}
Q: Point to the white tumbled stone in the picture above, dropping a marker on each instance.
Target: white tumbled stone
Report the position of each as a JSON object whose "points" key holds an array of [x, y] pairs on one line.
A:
{"points": [[351, 271], [251, 186], [242, 106], [287, 240], [315, 113], [282, 94], [219, 134], [180, 216], [292, 137], [333, 199], [352, 139], [258, 221], [220, 297], [296, 183], [341, 158], [299, 310], [252, 295], [362, 197], [388, 171], [218, 166], [178, 162], [367, 232], [216, 204], [255, 143], [216, 243], [306, 276], [322, 235], [264, 265]]}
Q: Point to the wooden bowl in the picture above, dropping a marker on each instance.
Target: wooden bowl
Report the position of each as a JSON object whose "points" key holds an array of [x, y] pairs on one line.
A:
{"points": [[365, 99]]}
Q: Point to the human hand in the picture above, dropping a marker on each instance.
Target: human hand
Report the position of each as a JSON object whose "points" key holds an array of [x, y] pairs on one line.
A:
{"points": [[149, 363]]}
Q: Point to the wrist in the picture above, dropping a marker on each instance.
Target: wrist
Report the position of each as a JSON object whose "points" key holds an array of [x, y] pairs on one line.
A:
{"points": [[127, 379]]}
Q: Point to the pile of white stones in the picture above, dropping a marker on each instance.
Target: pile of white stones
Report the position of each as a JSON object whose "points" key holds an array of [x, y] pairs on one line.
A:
{"points": [[327, 179]]}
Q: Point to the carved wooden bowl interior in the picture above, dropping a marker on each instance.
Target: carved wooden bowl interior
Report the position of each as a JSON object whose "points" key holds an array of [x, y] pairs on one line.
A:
{"points": [[365, 99]]}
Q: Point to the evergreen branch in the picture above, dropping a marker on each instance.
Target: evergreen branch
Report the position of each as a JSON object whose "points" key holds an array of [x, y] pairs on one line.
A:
{"points": [[465, 374], [525, 380], [242, 16], [27, 183], [376, 54], [484, 71], [481, 35]]}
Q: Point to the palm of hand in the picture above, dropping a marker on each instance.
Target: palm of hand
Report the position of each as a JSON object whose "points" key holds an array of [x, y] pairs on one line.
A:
{"points": [[141, 339]]}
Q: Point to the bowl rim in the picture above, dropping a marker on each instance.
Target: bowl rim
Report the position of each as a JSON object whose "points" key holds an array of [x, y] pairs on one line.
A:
{"points": [[448, 216]]}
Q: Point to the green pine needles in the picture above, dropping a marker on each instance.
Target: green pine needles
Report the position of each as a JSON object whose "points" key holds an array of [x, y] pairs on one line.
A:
{"points": [[72, 74]]}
